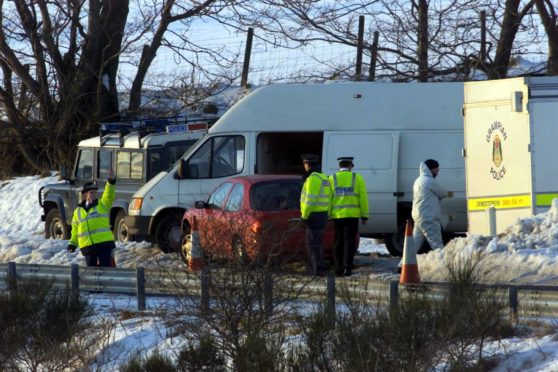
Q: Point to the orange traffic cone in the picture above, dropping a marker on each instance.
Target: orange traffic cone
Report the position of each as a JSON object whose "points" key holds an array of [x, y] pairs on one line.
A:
{"points": [[409, 268], [194, 254]]}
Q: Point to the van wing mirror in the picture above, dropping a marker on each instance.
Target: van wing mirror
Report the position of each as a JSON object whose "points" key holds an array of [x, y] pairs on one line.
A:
{"points": [[200, 204], [186, 170], [64, 173], [181, 171]]}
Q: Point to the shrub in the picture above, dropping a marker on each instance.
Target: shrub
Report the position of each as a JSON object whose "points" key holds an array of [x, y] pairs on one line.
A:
{"points": [[201, 356], [154, 363], [471, 313], [40, 326]]}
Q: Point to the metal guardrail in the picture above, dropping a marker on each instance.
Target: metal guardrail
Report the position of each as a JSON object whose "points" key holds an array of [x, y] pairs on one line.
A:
{"points": [[524, 300]]}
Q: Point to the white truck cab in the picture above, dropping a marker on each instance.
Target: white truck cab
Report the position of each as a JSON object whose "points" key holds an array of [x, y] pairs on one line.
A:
{"points": [[136, 150], [389, 128]]}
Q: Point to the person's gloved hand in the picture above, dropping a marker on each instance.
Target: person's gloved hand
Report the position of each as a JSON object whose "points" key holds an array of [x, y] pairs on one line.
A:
{"points": [[71, 248], [363, 220]]}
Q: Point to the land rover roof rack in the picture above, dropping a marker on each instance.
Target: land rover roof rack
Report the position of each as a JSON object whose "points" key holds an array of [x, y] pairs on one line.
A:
{"points": [[144, 127]]}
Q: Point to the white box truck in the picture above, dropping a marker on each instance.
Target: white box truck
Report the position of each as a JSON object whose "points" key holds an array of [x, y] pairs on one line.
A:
{"points": [[510, 138], [389, 128]]}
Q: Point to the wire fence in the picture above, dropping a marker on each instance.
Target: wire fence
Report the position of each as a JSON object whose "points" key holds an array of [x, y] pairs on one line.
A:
{"points": [[316, 61]]}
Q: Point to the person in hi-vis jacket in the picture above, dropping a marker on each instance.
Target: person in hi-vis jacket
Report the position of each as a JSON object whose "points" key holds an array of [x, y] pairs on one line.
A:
{"points": [[315, 208], [91, 231], [349, 205]]}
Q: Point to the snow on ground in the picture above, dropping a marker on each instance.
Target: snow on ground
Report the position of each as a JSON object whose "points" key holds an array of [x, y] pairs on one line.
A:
{"points": [[526, 253]]}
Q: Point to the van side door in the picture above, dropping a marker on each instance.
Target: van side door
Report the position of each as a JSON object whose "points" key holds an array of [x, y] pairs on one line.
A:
{"points": [[376, 159]]}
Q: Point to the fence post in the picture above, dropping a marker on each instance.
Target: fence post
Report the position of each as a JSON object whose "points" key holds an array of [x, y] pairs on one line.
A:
{"points": [[360, 46], [393, 294], [514, 303], [75, 281], [140, 285], [330, 302], [373, 57], [12, 276], [491, 218], [205, 290], [247, 53], [482, 54], [268, 294]]}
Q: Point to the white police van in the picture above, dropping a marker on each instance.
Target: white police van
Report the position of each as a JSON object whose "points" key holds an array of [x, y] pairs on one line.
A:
{"points": [[389, 128]]}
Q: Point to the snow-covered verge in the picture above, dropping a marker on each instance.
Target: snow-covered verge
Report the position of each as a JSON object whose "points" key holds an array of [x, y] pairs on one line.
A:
{"points": [[526, 253]]}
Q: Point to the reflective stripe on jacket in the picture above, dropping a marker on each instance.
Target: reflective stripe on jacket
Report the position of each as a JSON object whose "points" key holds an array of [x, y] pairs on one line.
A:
{"points": [[350, 198], [93, 226], [315, 195]]}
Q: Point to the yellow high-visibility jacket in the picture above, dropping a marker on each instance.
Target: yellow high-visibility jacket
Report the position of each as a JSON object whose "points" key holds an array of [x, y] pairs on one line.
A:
{"points": [[350, 199], [315, 195], [93, 226]]}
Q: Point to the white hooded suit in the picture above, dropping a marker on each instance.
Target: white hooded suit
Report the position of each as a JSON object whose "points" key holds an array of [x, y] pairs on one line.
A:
{"points": [[427, 196]]}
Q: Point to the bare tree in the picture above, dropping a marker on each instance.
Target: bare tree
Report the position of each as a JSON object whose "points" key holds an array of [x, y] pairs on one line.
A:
{"points": [[418, 40], [513, 15], [60, 66], [549, 19]]}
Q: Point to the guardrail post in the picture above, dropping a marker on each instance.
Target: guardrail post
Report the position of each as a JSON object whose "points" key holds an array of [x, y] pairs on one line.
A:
{"points": [[393, 294], [330, 302], [75, 282], [140, 285], [268, 294], [12, 276], [205, 290], [514, 303]]}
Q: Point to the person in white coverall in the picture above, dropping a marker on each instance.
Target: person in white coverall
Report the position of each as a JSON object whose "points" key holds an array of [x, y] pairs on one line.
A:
{"points": [[427, 196]]}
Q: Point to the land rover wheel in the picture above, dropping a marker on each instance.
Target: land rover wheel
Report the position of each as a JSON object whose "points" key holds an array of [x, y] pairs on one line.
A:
{"points": [[120, 229], [55, 227], [167, 233]]}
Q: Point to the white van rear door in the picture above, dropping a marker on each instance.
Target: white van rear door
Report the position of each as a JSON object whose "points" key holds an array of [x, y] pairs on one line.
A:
{"points": [[375, 158]]}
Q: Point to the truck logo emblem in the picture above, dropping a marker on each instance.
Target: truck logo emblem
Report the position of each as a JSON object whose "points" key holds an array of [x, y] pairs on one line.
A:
{"points": [[497, 133], [497, 151]]}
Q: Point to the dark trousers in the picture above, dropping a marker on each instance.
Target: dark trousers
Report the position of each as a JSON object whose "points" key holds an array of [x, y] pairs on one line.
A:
{"points": [[314, 235], [346, 230], [97, 256]]}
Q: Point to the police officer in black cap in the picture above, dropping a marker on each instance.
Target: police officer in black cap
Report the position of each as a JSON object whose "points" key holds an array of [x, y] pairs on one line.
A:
{"points": [[349, 205], [315, 207], [91, 231]]}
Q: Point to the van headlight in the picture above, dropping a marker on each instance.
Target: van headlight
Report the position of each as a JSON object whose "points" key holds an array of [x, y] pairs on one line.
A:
{"points": [[135, 206]]}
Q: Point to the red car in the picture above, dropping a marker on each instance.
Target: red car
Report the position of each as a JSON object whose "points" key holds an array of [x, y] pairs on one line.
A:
{"points": [[252, 218]]}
